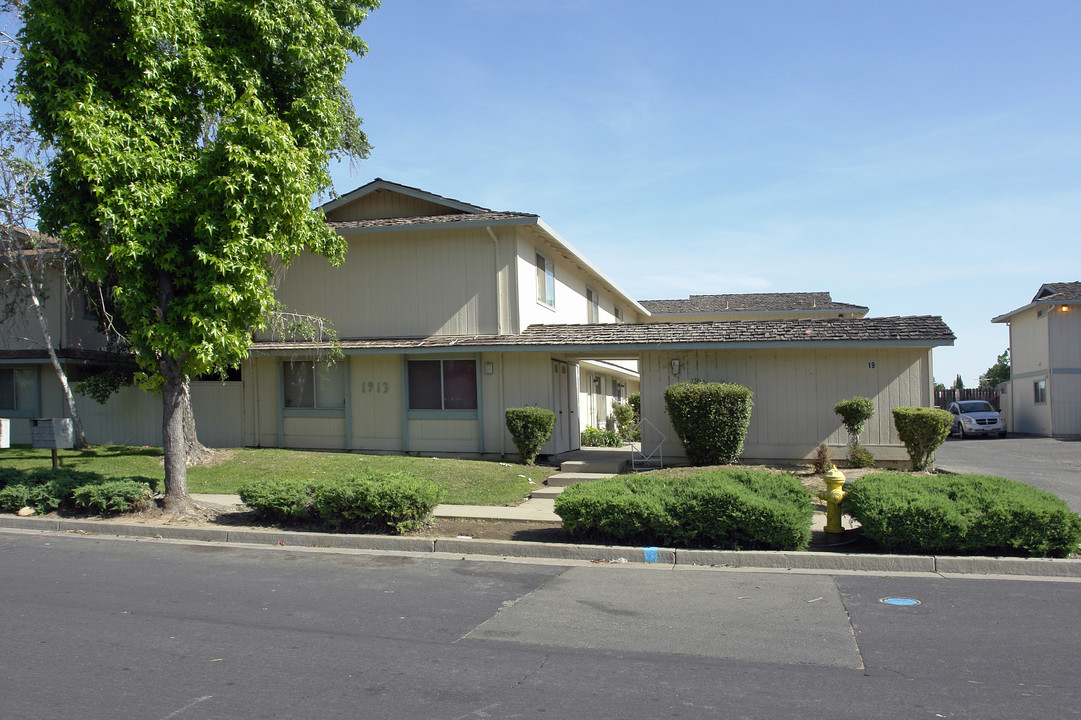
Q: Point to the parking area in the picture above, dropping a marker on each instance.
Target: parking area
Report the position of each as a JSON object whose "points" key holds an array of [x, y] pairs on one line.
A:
{"points": [[1048, 463]]}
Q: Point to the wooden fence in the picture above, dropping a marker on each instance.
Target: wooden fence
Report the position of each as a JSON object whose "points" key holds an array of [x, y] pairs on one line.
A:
{"points": [[944, 397]]}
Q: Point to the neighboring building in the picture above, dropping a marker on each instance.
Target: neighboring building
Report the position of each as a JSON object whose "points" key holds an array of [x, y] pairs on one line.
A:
{"points": [[449, 313], [1043, 395], [751, 306]]}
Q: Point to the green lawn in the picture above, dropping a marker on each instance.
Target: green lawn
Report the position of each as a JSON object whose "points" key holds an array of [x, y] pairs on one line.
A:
{"points": [[468, 482]]}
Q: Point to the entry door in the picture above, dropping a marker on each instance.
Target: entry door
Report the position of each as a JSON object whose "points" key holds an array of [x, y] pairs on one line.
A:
{"points": [[563, 403]]}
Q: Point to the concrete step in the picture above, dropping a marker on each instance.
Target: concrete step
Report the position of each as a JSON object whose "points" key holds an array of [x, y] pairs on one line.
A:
{"points": [[611, 467], [546, 492], [563, 479]]}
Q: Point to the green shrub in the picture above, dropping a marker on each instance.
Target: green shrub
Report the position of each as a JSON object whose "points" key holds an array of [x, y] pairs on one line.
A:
{"points": [[710, 419], [378, 503], [730, 508], [44, 490], [279, 500], [635, 401], [860, 457], [9, 475], [962, 514], [371, 502], [596, 437], [854, 413], [922, 430], [626, 422], [114, 496], [530, 427]]}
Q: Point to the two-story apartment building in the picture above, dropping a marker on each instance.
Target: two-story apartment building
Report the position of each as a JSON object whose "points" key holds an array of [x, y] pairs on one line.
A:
{"points": [[1043, 394], [448, 313]]}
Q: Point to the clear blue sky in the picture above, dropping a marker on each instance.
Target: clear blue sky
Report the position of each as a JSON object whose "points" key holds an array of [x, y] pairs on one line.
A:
{"points": [[916, 157]]}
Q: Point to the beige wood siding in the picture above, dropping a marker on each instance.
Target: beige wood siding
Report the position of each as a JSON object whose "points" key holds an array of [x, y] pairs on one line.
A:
{"points": [[1065, 329], [401, 284], [316, 433], [1066, 404], [219, 413], [520, 380], [795, 391], [376, 396], [1028, 342]]}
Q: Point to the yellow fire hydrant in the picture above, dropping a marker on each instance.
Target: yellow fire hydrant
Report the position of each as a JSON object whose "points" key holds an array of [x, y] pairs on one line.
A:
{"points": [[833, 495]]}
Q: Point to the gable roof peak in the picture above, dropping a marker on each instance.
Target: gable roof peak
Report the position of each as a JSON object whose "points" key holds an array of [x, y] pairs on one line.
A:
{"points": [[380, 184]]}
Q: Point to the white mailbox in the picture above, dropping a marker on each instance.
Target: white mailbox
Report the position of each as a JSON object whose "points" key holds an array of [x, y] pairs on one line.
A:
{"points": [[52, 433], [5, 433]]}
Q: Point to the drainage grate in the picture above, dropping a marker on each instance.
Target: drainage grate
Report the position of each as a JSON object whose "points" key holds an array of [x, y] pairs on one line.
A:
{"points": [[899, 601]]}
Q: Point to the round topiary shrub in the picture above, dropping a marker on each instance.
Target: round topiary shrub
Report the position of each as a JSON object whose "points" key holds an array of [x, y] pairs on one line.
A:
{"points": [[710, 419], [530, 427]]}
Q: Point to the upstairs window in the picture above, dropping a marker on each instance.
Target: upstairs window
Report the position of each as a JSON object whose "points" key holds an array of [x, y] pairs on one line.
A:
{"points": [[314, 385], [617, 313], [546, 281], [593, 306], [442, 384]]}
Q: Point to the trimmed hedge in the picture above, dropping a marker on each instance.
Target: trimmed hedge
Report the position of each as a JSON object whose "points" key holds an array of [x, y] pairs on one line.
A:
{"points": [[372, 502], [627, 420], [710, 419], [530, 427], [922, 430], [730, 508], [962, 514]]}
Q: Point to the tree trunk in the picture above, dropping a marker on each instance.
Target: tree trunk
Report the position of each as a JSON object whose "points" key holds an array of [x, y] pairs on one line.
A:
{"points": [[69, 398], [173, 396], [195, 453]]}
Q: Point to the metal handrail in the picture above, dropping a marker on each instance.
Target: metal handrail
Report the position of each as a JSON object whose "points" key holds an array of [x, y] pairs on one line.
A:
{"points": [[638, 457]]}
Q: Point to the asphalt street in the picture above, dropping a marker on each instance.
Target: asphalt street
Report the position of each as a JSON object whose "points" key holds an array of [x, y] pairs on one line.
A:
{"points": [[1052, 464], [109, 628]]}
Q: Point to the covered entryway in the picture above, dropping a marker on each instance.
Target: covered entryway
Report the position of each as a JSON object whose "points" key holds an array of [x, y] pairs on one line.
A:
{"points": [[564, 402]]}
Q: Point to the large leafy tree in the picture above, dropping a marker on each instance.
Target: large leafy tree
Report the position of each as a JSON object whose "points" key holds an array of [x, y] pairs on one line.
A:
{"points": [[190, 137], [997, 373]]}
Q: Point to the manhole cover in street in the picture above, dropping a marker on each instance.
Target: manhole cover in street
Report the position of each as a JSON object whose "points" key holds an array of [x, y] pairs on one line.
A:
{"points": [[899, 601]]}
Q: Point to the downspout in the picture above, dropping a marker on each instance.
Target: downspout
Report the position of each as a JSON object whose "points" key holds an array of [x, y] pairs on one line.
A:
{"points": [[498, 285], [502, 409]]}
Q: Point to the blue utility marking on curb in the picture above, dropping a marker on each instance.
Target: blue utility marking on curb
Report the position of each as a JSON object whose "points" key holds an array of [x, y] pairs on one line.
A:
{"points": [[651, 554], [899, 601]]}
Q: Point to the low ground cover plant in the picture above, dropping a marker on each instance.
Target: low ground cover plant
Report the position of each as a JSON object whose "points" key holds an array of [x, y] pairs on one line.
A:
{"points": [[371, 502], [961, 515], [597, 437], [725, 508], [48, 490], [710, 418]]}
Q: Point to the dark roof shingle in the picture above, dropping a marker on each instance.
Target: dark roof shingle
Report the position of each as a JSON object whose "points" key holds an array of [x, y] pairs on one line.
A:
{"points": [[748, 302], [927, 329]]}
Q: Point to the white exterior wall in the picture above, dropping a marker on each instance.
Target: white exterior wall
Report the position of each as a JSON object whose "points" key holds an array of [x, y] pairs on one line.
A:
{"points": [[795, 392], [1064, 392], [571, 306]]}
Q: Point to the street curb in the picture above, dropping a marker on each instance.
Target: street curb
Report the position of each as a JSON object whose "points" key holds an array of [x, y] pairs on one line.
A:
{"points": [[744, 559]]}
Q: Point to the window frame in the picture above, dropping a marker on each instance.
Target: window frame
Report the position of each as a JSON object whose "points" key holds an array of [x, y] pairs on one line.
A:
{"points": [[30, 404], [617, 313], [443, 412], [1039, 392], [314, 410], [546, 280], [593, 306]]}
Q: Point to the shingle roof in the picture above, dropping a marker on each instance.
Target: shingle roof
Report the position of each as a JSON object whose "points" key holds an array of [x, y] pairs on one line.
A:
{"points": [[1059, 292], [917, 330], [748, 302], [477, 218]]}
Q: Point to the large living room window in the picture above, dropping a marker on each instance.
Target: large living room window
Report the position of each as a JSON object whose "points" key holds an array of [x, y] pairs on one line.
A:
{"points": [[18, 391], [314, 385], [442, 384]]}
